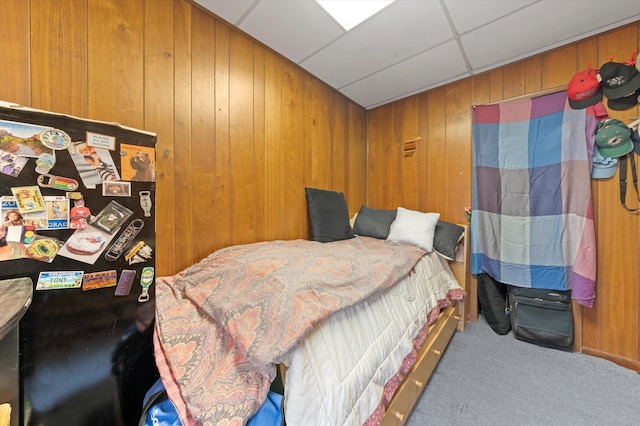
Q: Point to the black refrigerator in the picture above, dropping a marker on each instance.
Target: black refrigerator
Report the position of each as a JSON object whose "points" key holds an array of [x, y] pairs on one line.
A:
{"points": [[78, 219]]}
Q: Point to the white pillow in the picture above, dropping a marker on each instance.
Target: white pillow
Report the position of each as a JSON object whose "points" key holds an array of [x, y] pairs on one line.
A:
{"points": [[415, 228], [352, 221]]}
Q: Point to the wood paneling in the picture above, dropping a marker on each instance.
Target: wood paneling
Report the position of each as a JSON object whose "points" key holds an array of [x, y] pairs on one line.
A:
{"points": [[203, 125], [514, 80], [15, 55], [220, 214], [242, 202], [356, 194], [115, 61], [611, 327], [458, 153], [558, 66], [436, 190], [274, 148], [259, 147], [408, 129], [241, 132], [616, 307], [182, 182], [293, 162], [383, 159], [59, 58], [159, 104]]}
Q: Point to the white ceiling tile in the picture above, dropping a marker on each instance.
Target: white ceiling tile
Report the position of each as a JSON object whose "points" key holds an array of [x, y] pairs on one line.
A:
{"points": [[294, 29], [406, 28], [430, 69], [409, 46], [541, 27], [470, 14], [230, 11]]}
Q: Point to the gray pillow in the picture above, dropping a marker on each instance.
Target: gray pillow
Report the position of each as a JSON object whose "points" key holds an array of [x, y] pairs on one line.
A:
{"points": [[374, 222], [328, 215], [446, 239]]}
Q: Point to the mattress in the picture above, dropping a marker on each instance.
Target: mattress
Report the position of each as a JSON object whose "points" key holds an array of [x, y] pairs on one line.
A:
{"points": [[337, 374]]}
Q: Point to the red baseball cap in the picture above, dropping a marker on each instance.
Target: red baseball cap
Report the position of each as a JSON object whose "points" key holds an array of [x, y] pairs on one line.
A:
{"points": [[584, 89]]}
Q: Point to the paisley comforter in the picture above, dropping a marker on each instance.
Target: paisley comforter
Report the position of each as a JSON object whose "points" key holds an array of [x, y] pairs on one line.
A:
{"points": [[224, 323]]}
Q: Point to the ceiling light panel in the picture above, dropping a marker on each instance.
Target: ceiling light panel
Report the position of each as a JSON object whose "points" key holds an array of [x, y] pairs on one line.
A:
{"points": [[350, 13]]}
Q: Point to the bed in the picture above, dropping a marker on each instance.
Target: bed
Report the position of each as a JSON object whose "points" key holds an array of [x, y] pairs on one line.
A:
{"points": [[356, 326]]}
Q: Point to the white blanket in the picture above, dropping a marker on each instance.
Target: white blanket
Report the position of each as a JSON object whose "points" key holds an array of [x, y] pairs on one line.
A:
{"points": [[336, 376]]}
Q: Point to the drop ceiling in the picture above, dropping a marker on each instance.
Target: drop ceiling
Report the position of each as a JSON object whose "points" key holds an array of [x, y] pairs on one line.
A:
{"points": [[416, 45]]}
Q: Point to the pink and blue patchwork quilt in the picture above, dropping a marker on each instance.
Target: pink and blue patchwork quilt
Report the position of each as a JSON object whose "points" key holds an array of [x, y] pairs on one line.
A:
{"points": [[532, 215]]}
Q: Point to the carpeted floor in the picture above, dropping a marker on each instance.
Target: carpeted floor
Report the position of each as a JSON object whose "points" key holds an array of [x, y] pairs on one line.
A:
{"points": [[488, 379]]}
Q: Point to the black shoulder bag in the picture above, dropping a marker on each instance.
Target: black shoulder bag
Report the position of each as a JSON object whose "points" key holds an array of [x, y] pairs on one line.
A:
{"points": [[622, 178]]}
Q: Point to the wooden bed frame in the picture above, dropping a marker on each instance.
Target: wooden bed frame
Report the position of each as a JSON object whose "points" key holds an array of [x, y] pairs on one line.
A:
{"points": [[440, 333]]}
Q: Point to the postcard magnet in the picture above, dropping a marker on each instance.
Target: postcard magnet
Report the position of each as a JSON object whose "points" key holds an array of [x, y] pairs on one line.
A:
{"points": [[28, 199], [11, 164]]}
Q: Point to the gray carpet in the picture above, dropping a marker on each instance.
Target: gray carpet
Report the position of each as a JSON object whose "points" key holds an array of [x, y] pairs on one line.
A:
{"points": [[488, 379]]}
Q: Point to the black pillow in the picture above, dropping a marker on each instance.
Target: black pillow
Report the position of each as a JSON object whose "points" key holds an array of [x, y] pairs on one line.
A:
{"points": [[446, 239], [374, 222], [328, 215]]}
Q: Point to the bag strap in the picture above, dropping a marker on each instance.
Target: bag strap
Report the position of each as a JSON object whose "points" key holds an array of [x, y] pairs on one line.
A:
{"points": [[622, 178]]}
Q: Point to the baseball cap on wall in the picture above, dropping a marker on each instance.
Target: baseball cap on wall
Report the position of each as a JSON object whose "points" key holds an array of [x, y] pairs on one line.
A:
{"points": [[618, 80], [613, 138], [584, 89], [603, 167], [621, 104]]}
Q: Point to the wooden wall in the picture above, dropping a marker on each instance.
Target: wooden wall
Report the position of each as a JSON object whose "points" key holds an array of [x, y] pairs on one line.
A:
{"points": [[241, 132], [438, 176]]}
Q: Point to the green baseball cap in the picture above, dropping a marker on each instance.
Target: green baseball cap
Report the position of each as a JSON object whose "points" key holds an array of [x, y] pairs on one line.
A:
{"points": [[613, 138]]}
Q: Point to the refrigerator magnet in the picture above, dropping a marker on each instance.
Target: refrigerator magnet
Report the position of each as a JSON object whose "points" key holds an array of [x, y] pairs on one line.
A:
{"points": [[125, 282], [101, 279], [24, 137], [124, 240], [11, 164], [145, 202], [44, 163], [80, 214], [55, 139], [146, 279], [138, 163], [98, 140], [53, 280], [57, 182], [116, 189], [86, 245], [94, 165], [43, 248], [28, 199], [112, 217]]}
